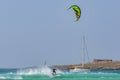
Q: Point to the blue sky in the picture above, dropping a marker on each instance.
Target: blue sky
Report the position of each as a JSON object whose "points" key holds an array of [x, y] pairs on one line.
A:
{"points": [[32, 31]]}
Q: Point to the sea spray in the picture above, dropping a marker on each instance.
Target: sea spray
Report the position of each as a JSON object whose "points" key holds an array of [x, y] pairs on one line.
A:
{"points": [[34, 70], [45, 70]]}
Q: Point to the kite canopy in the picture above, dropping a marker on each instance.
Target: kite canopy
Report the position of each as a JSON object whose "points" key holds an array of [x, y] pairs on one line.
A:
{"points": [[77, 11]]}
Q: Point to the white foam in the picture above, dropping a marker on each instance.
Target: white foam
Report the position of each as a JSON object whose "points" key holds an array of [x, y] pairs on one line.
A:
{"points": [[2, 77], [8, 77], [39, 70], [31, 71]]}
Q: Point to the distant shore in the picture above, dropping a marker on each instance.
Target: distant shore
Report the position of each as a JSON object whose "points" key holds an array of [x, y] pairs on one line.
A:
{"points": [[95, 65]]}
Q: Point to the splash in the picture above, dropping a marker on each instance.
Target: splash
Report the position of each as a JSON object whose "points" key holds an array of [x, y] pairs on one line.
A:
{"points": [[37, 70], [45, 70]]}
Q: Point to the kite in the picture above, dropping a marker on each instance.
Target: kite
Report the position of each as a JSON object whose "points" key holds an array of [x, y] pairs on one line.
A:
{"points": [[77, 11]]}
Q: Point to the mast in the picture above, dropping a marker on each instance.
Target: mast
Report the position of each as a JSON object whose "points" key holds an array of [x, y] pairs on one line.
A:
{"points": [[45, 63], [83, 55], [85, 52]]}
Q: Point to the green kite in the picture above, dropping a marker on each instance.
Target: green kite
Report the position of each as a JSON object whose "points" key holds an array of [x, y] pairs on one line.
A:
{"points": [[77, 11]]}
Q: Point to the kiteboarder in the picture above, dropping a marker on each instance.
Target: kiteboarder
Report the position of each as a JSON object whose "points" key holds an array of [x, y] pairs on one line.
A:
{"points": [[54, 71]]}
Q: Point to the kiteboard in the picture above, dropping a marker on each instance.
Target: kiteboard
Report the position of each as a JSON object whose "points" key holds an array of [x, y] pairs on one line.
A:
{"points": [[55, 74]]}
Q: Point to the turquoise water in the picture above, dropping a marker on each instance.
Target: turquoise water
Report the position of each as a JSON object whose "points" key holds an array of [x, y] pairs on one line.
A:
{"points": [[44, 73]]}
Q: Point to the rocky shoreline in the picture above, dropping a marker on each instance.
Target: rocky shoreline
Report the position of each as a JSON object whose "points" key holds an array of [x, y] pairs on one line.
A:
{"points": [[95, 65]]}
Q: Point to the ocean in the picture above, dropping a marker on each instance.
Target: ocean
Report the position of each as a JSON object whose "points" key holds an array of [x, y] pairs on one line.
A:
{"points": [[44, 73]]}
